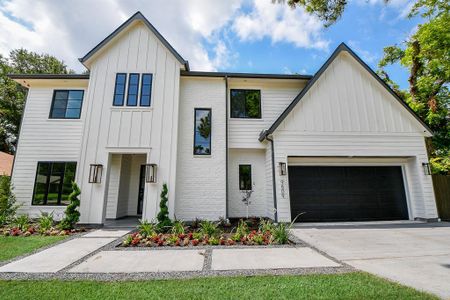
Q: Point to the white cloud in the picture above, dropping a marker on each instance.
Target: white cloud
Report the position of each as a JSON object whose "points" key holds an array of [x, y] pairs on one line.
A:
{"points": [[280, 23], [365, 55], [69, 30]]}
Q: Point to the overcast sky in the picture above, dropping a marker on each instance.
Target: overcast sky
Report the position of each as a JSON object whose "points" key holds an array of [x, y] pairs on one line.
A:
{"points": [[231, 35]]}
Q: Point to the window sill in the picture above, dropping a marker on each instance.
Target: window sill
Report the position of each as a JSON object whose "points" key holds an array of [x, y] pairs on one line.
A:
{"points": [[64, 120], [131, 108], [49, 206], [202, 155]]}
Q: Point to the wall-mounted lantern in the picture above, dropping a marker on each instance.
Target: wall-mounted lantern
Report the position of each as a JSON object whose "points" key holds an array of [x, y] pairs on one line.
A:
{"points": [[150, 173], [95, 173], [426, 168], [283, 170]]}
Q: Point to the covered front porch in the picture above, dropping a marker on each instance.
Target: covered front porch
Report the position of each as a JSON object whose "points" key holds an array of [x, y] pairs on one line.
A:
{"points": [[126, 187]]}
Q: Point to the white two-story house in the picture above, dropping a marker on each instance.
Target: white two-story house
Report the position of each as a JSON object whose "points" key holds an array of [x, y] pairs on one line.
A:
{"points": [[336, 146]]}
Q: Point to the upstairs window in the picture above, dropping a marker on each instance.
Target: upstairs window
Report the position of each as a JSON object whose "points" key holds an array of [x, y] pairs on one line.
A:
{"points": [[146, 89], [66, 104], [53, 183], [245, 104], [133, 88], [202, 131], [245, 177], [119, 90]]}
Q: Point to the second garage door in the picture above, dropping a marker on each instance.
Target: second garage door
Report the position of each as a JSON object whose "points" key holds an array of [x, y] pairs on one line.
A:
{"points": [[342, 193]]}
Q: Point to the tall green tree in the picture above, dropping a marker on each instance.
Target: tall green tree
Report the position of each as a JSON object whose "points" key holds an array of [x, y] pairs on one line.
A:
{"points": [[12, 95]]}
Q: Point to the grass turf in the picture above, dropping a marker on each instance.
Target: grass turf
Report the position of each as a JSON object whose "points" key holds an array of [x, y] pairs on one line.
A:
{"points": [[12, 246], [335, 286]]}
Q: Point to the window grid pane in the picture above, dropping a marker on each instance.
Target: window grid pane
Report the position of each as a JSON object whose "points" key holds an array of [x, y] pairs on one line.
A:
{"points": [[53, 183], [202, 131], [119, 90], [66, 104], [245, 104], [133, 87], [146, 89]]}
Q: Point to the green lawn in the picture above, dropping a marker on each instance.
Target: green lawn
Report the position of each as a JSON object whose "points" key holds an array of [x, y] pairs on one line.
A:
{"points": [[344, 286], [12, 246]]}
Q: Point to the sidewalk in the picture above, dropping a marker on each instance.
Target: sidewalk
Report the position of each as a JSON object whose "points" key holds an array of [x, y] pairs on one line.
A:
{"points": [[95, 253]]}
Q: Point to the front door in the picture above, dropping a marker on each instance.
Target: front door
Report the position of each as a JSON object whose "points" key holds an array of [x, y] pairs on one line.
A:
{"points": [[141, 190]]}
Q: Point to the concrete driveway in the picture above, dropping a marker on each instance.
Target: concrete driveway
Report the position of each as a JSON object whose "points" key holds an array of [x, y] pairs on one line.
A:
{"points": [[414, 254]]}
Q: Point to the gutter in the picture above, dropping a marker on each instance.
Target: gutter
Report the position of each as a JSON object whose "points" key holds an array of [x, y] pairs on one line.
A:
{"points": [[274, 190], [226, 147]]}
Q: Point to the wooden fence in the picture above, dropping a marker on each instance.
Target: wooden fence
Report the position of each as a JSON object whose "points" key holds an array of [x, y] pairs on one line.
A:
{"points": [[441, 185]]}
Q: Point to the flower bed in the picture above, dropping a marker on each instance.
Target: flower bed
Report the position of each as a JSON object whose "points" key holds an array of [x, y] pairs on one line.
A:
{"points": [[23, 226], [246, 232]]}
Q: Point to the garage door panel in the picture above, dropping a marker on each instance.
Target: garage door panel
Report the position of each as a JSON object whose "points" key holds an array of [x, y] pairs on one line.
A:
{"points": [[347, 193]]}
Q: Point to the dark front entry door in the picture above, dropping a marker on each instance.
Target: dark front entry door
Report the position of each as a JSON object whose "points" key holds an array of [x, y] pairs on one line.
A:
{"points": [[347, 193], [141, 190]]}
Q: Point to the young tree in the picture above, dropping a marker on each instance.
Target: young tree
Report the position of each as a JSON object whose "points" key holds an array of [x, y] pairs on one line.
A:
{"points": [[12, 95], [164, 221], [72, 215]]}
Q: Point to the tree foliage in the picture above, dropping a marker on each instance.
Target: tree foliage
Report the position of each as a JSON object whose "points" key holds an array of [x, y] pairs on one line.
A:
{"points": [[12, 95], [426, 54], [164, 221]]}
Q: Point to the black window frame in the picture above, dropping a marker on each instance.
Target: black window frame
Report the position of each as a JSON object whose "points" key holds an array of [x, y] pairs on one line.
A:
{"points": [[142, 87], [240, 176], [137, 89], [246, 117], [124, 90], [67, 100], [45, 199], [195, 128]]}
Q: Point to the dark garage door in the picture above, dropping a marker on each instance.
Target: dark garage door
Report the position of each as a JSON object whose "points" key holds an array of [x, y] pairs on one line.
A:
{"points": [[347, 193]]}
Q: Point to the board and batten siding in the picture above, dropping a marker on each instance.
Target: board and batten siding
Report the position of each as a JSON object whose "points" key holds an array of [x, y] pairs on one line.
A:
{"points": [[44, 139], [276, 95], [346, 113], [201, 182], [131, 130]]}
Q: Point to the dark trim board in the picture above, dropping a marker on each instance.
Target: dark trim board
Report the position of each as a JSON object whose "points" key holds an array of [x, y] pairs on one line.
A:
{"points": [[48, 76], [244, 75], [339, 49]]}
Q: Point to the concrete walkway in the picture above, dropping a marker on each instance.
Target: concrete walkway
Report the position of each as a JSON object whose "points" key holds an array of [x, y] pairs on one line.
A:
{"points": [[95, 253], [414, 254]]}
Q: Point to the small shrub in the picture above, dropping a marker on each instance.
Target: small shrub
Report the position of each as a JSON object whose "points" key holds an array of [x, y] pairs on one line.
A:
{"points": [[8, 205], [209, 228], [45, 222], [197, 235], [265, 226], [172, 239], [213, 241], [242, 228], [22, 222], [178, 228], [146, 229], [281, 233], [258, 239], [72, 215], [164, 222]]}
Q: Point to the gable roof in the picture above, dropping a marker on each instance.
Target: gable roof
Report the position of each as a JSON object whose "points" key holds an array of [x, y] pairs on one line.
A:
{"points": [[137, 16], [339, 49]]}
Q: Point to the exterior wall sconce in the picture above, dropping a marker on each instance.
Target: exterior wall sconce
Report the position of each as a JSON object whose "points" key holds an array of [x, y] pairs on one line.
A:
{"points": [[95, 173], [283, 170], [150, 173], [426, 168]]}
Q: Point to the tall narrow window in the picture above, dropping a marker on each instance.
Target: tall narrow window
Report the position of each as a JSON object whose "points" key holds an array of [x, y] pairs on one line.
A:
{"points": [[133, 88], [119, 90], [66, 104], [53, 183], [146, 89], [202, 131], [245, 104], [245, 177]]}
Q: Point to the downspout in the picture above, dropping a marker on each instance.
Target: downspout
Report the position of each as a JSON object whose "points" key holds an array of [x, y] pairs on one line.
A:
{"points": [[274, 190], [226, 147]]}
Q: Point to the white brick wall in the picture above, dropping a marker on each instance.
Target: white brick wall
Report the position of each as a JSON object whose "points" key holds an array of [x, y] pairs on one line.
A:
{"points": [[201, 188]]}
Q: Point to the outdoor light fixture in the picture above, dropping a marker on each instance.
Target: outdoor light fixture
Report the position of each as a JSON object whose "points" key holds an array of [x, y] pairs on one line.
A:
{"points": [[95, 173], [426, 168], [283, 170], [150, 173]]}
